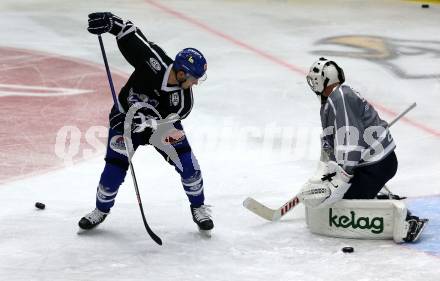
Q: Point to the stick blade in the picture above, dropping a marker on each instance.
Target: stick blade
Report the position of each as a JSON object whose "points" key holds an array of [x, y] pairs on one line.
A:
{"points": [[150, 231], [260, 210], [155, 237]]}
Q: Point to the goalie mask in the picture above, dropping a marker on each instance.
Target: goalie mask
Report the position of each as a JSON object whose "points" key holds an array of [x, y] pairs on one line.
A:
{"points": [[322, 73]]}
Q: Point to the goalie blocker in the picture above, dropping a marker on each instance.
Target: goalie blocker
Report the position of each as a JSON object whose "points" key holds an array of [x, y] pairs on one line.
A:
{"points": [[365, 219]]}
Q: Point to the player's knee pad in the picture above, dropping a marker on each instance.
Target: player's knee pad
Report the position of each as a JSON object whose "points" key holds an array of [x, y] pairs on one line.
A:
{"points": [[182, 146], [184, 161], [363, 219]]}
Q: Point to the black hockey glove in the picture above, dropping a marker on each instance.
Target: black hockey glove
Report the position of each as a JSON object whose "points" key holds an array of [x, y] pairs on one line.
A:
{"points": [[103, 22], [139, 122]]}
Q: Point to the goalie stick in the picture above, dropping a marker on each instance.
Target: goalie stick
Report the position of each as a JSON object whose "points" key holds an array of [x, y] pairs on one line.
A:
{"points": [[268, 213], [275, 214]]}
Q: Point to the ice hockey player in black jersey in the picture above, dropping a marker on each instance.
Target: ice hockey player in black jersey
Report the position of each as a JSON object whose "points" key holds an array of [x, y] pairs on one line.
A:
{"points": [[357, 153], [156, 97]]}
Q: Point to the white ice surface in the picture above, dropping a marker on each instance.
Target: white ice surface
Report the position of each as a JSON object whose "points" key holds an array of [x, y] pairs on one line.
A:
{"points": [[244, 91]]}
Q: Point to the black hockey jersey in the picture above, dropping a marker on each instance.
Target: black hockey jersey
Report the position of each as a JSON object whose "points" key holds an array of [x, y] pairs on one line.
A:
{"points": [[148, 82]]}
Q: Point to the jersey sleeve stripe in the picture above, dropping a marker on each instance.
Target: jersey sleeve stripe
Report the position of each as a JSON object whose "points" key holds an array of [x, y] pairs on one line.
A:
{"points": [[127, 29], [347, 124], [152, 50]]}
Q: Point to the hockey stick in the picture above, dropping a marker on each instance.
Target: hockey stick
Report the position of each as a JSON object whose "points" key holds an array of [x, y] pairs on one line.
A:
{"points": [[112, 88], [402, 114], [268, 213], [275, 214]]}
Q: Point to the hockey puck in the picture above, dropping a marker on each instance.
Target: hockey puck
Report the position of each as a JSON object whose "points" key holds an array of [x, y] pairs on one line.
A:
{"points": [[40, 205], [348, 250], [425, 5]]}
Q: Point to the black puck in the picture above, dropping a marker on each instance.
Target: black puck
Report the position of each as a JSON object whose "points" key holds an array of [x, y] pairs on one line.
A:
{"points": [[348, 250], [40, 205], [425, 5]]}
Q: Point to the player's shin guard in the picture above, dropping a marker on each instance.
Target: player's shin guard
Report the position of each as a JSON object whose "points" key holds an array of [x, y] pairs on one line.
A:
{"points": [[201, 213], [111, 178], [193, 186]]}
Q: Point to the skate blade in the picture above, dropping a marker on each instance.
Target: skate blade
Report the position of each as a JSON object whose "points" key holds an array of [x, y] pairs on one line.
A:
{"points": [[81, 231], [417, 237], [205, 233]]}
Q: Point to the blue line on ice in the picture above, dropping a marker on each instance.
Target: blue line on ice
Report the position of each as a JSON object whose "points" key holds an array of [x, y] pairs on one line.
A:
{"points": [[427, 207]]}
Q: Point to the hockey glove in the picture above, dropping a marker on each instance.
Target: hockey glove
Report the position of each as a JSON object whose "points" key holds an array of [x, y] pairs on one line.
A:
{"points": [[103, 22], [337, 181], [140, 122], [327, 190], [313, 193], [143, 122]]}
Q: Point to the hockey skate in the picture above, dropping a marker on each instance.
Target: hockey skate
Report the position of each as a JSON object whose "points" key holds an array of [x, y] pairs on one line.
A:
{"points": [[415, 229], [385, 194], [92, 219], [202, 217]]}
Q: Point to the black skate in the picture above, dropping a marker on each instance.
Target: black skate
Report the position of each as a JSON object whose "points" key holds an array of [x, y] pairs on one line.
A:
{"points": [[416, 226], [389, 196], [91, 220], [202, 217]]}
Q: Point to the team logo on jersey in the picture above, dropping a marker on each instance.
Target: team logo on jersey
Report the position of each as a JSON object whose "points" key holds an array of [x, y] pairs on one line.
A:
{"points": [[174, 99], [117, 144], [155, 64]]}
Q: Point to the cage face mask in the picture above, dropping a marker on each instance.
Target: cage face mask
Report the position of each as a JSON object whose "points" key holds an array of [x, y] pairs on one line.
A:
{"points": [[323, 73]]}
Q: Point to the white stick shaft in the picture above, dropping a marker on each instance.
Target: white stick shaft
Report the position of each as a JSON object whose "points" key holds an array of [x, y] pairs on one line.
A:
{"points": [[402, 114]]}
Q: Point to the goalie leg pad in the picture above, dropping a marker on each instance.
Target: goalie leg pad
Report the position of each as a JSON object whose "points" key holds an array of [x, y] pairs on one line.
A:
{"points": [[362, 219]]}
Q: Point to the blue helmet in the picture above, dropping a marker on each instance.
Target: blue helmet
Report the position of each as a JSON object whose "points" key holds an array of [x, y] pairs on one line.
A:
{"points": [[190, 61]]}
